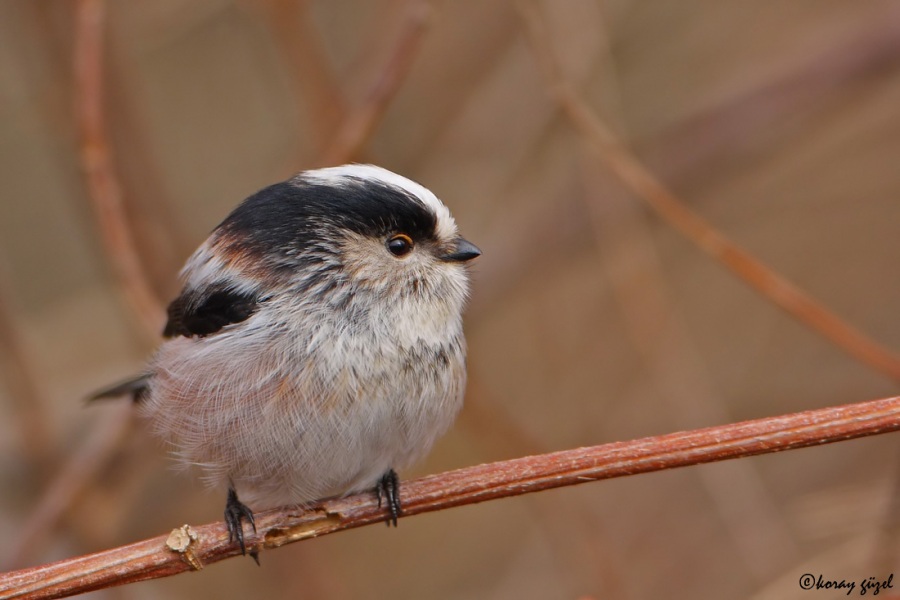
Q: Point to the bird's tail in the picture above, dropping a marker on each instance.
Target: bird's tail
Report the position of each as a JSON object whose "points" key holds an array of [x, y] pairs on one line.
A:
{"points": [[136, 387]]}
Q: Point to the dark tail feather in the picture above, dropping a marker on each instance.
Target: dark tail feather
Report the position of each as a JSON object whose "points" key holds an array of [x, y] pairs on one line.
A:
{"points": [[136, 387]]}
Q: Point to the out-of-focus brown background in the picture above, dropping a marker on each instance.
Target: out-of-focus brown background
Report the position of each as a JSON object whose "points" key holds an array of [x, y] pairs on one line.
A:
{"points": [[591, 319]]}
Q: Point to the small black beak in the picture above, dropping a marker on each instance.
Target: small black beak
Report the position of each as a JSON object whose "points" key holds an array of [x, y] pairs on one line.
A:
{"points": [[465, 251]]}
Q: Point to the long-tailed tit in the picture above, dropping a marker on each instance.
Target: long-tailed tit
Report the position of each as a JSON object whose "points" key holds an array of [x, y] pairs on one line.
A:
{"points": [[317, 344]]}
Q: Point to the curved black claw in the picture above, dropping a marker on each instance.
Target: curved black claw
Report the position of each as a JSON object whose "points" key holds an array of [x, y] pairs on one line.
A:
{"points": [[388, 488], [235, 511]]}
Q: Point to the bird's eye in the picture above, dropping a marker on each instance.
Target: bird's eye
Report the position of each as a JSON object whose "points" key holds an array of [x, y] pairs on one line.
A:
{"points": [[400, 245]]}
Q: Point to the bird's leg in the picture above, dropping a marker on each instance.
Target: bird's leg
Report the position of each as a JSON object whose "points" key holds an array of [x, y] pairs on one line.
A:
{"points": [[235, 511], [388, 488]]}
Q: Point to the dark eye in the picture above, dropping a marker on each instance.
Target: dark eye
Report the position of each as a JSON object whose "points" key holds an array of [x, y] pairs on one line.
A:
{"points": [[400, 245]]}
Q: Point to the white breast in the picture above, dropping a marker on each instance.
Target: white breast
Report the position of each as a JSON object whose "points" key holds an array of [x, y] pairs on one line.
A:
{"points": [[293, 414]]}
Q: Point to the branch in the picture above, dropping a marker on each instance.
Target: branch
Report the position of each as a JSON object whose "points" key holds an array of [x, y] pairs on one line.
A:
{"points": [[639, 180], [29, 403], [295, 33], [79, 470], [104, 187], [693, 144], [360, 123], [672, 361], [186, 548], [105, 193]]}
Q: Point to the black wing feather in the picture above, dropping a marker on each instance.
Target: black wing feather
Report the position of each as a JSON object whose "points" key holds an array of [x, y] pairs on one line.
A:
{"points": [[189, 317]]}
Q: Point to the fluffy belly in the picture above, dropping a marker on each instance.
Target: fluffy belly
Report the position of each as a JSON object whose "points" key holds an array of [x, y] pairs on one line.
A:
{"points": [[291, 433]]}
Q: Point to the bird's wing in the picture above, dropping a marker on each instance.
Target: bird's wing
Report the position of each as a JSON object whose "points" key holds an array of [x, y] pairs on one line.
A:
{"points": [[206, 311]]}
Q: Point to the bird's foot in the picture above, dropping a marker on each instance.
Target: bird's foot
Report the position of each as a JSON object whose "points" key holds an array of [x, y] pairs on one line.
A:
{"points": [[388, 489], [235, 512]]}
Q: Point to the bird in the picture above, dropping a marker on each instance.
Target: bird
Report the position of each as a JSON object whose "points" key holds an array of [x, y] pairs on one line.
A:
{"points": [[316, 346]]}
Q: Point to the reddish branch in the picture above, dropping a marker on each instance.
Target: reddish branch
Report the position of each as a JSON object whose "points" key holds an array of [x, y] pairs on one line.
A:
{"points": [[153, 558], [68, 485], [360, 123], [104, 188], [105, 194], [300, 41], [23, 384], [638, 179]]}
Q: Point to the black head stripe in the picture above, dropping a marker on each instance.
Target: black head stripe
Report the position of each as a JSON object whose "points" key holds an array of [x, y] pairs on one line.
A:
{"points": [[291, 217]]}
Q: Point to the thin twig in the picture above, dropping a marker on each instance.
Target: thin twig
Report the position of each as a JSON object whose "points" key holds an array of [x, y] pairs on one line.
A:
{"points": [[298, 38], [68, 485], [21, 378], [105, 194], [341, 133], [670, 357], [658, 333], [670, 208], [690, 146], [104, 189], [567, 523], [155, 558], [360, 123]]}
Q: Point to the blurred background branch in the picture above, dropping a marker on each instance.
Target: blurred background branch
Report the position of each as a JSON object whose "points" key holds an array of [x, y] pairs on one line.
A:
{"points": [[104, 188], [675, 212], [30, 404], [359, 124]]}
